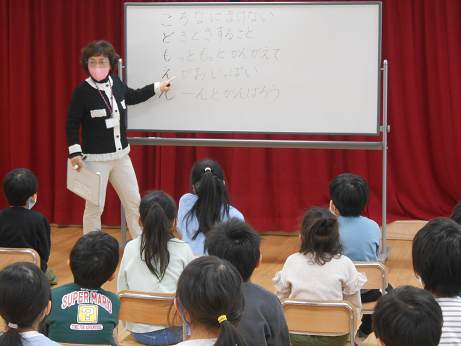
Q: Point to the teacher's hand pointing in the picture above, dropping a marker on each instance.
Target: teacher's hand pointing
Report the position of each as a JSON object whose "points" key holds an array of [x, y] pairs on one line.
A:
{"points": [[165, 85]]}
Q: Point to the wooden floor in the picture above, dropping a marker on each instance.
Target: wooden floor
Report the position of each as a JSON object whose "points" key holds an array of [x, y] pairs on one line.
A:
{"points": [[275, 249]]}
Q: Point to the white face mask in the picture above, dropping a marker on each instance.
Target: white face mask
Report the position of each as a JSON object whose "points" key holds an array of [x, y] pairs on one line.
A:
{"points": [[420, 281], [31, 204]]}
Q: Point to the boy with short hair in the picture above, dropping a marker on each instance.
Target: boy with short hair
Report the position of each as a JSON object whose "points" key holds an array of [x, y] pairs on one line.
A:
{"points": [[360, 236], [407, 316], [263, 322], [437, 263], [82, 311], [21, 227]]}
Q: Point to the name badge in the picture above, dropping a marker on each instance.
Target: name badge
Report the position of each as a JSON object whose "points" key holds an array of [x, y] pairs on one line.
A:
{"points": [[112, 122]]}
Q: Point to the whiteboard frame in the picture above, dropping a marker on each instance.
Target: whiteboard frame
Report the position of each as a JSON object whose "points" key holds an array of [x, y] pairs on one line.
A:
{"points": [[220, 4]]}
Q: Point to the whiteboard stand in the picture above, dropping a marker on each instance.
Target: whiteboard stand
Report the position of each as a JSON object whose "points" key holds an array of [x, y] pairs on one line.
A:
{"points": [[208, 142], [123, 216]]}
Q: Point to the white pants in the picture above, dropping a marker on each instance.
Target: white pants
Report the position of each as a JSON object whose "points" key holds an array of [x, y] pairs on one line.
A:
{"points": [[121, 175]]}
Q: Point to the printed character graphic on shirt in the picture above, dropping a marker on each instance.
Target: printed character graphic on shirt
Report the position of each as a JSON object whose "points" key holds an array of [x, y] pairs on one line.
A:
{"points": [[89, 303]]}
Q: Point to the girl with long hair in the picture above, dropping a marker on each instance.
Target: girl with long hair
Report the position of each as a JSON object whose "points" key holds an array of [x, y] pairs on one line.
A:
{"points": [[208, 204], [154, 262]]}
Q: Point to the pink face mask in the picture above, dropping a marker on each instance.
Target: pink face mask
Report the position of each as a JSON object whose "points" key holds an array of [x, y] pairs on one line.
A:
{"points": [[99, 73]]}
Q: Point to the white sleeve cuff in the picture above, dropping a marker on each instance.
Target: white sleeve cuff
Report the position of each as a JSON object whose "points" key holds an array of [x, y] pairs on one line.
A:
{"points": [[157, 87], [76, 148]]}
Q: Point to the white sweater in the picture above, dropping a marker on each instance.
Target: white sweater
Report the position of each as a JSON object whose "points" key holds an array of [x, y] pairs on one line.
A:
{"points": [[301, 278], [135, 276]]}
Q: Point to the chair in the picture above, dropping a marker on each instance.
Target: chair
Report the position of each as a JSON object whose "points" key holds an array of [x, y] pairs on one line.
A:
{"points": [[320, 316], [377, 275], [12, 255], [148, 308]]}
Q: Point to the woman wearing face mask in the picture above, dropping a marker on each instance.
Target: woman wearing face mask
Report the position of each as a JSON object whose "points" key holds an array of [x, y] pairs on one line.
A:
{"points": [[98, 106]]}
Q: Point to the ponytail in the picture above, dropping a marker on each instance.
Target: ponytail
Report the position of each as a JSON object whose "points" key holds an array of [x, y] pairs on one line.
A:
{"points": [[157, 212], [228, 335], [212, 203], [320, 236], [11, 337]]}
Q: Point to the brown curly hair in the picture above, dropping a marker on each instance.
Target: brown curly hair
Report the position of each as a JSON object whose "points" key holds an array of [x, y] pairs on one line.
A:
{"points": [[97, 48]]}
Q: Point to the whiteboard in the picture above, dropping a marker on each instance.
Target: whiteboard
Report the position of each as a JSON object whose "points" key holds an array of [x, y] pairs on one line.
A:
{"points": [[282, 68]]}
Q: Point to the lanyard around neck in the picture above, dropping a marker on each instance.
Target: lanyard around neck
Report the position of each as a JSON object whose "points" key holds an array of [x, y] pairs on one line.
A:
{"points": [[111, 108]]}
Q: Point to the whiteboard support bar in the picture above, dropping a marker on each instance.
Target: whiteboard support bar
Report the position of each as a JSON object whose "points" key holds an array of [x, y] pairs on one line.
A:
{"points": [[207, 142], [385, 250]]}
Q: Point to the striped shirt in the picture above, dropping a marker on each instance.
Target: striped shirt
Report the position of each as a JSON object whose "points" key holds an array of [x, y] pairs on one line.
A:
{"points": [[451, 330]]}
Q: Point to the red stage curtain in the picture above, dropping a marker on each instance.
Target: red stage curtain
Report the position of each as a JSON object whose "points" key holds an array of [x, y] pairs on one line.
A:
{"points": [[40, 43]]}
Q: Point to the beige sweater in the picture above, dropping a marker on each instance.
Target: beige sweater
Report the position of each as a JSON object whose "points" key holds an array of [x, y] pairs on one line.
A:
{"points": [[302, 278]]}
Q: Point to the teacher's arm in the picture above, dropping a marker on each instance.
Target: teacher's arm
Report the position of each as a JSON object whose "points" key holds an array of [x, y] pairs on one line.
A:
{"points": [[73, 123], [135, 96]]}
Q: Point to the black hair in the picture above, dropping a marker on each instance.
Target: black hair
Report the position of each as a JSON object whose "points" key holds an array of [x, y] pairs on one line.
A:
{"points": [[437, 257], [320, 235], [236, 242], [349, 193], [456, 213], [208, 288], [207, 179], [97, 48], [93, 259], [19, 185], [408, 316], [24, 295], [157, 211]]}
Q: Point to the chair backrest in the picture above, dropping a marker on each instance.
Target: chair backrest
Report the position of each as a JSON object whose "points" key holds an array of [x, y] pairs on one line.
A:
{"points": [[320, 316], [376, 273], [148, 308], [12, 255]]}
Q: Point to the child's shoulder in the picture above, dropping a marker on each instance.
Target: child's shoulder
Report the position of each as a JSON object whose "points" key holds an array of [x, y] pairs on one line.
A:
{"points": [[187, 197]]}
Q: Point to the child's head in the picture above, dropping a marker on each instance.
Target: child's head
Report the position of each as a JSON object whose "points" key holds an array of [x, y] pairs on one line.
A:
{"points": [[407, 316], [25, 298], [456, 213], [437, 257], [158, 218], [236, 242], [94, 259], [349, 194], [18, 186], [320, 235], [210, 291], [208, 183]]}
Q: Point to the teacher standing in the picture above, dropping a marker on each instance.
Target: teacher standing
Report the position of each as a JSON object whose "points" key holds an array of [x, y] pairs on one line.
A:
{"points": [[98, 106]]}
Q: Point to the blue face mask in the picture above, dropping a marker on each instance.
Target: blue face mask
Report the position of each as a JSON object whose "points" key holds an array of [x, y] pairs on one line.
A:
{"points": [[30, 202]]}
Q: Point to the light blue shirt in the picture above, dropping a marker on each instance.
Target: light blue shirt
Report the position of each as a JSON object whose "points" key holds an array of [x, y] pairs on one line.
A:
{"points": [[34, 338], [360, 237], [188, 226]]}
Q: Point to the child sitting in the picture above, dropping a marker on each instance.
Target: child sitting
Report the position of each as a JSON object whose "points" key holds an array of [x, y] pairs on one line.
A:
{"points": [[206, 205], [319, 271], [25, 298], [263, 322], [408, 316], [21, 227], [154, 262], [210, 299], [437, 263], [83, 312], [360, 236]]}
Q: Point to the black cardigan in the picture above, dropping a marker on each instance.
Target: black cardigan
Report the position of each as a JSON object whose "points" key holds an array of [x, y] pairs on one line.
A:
{"points": [[96, 137]]}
